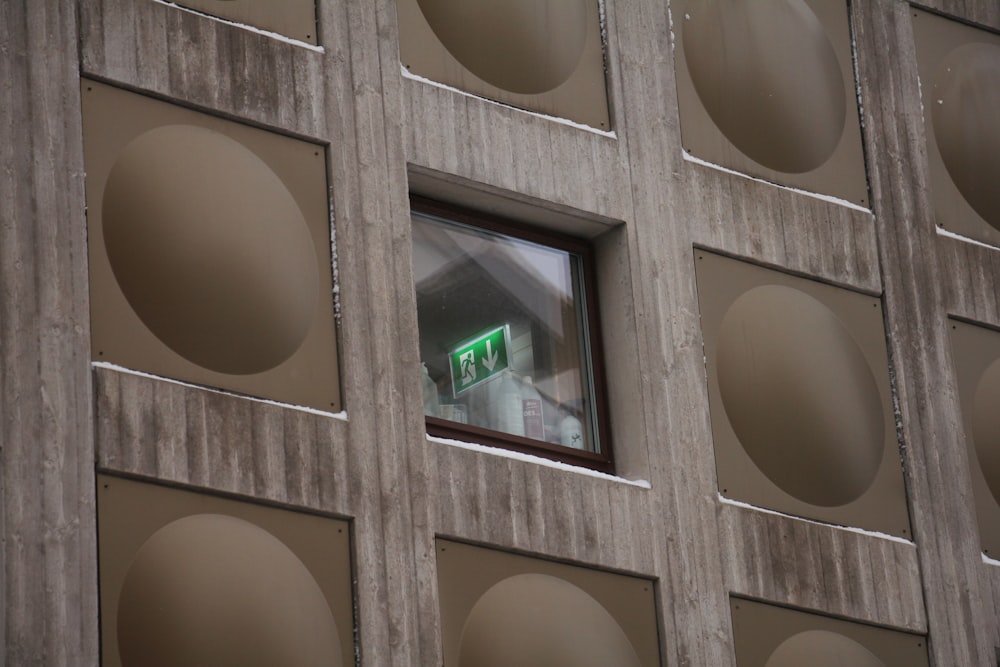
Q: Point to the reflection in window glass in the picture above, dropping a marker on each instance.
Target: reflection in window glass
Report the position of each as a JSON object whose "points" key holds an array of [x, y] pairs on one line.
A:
{"points": [[503, 334]]}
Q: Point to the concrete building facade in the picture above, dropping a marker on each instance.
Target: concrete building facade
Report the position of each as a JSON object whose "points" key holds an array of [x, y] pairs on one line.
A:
{"points": [[842, 228]]}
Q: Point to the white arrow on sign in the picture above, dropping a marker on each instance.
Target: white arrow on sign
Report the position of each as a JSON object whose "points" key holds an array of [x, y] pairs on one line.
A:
{"points": [[491, 357]]}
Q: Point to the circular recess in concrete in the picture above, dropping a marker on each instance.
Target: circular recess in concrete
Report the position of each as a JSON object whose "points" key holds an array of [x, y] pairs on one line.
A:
{"points": [[965, 106], [821, 648], [986, 427], [522, 46], [210, 249], [211, 589], [800, 395], [769, 78], [537, 620]]}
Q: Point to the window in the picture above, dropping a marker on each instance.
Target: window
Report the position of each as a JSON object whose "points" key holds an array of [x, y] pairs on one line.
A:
{"points": [[508, 335]]}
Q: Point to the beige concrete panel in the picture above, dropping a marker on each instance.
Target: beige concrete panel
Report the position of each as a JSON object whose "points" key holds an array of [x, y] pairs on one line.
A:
{"points": [[959, 70], [182, 55], [188, 577], [235, 295], [258, 244], [540, 55], [770, 636], [291, 18], [975, 352], [48, 594], [538, 619], [791, 106], [849, 449], [801, 405], [768, 89], [963, 628], [986, 14], [809, 565], [499, 608]]}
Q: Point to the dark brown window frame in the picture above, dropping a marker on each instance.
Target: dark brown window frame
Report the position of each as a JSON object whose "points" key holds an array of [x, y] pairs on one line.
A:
{"points": [[443, 428]]}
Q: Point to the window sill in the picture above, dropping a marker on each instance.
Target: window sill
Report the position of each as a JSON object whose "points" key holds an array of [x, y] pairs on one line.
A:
{"points": [[537, 460]]}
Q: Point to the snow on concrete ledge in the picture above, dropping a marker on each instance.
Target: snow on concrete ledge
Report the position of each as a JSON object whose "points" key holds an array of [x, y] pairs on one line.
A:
{"points": [[815, 195], [538, 460], [244, 26], [941, 231], [342, 415], [850, 529], [407, 74]]}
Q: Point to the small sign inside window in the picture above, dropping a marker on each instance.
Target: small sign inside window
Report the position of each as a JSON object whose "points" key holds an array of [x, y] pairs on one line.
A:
{"points": [[480, 359]]}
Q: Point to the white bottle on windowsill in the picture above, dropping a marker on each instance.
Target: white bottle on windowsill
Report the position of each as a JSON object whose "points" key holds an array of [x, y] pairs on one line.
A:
{"points": [[571, 432], [510, 413], [531, 410]]}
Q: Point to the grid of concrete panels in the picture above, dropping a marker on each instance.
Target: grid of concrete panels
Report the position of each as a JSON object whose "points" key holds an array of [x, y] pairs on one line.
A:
{"points": [[629, 524]]}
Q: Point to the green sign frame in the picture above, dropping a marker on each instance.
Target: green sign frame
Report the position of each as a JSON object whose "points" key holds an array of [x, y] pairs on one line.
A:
{"points": [[479, 359]]}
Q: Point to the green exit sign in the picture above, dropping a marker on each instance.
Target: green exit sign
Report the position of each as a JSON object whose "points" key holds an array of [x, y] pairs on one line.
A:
{"points": [[477, 360]]}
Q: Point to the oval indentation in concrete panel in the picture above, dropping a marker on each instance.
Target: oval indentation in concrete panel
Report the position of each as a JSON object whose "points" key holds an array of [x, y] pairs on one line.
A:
{"points": [[211, 589], [800, 395], [537, 620], [821, 648], [523, 46], [965, 106], [210, 249], [986, 427], [768, 76]]}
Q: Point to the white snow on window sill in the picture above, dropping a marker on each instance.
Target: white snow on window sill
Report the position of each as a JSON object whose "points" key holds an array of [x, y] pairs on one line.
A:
{"points": [[250, 28], [342, 415], [815, 195], [850, 529], [538, 460], [407, 74]]}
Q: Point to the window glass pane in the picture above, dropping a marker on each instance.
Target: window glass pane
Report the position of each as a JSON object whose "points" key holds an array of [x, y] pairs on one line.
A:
{"points": [[503, 333]]}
